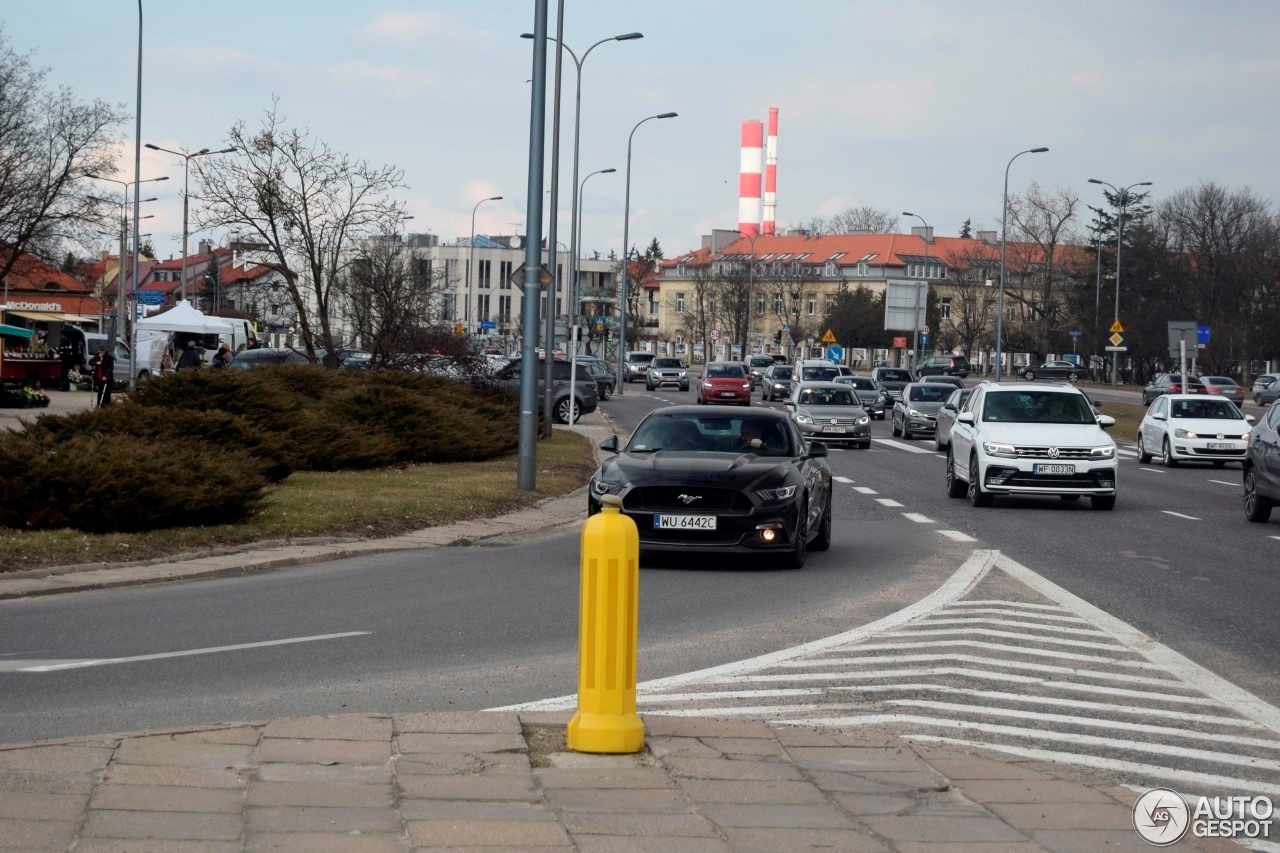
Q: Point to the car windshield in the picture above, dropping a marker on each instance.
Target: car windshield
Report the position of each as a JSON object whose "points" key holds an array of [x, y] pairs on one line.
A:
{"points": [[1213, 410], [781, 373], [667, 362], [711, 434], [861, 383], [761, 361], [640, 357], [895, 376], [1037, 407], [819, 374], [826, 397], [927, 394], [725, 371]]}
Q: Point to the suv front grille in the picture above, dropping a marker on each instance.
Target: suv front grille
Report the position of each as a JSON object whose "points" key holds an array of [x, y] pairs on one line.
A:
{"points": [[1043, 453]]}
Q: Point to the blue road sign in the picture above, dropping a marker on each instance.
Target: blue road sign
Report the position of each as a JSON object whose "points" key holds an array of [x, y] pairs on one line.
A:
{"points": [[150, 297], [1202, 334], [786, 327], [924, 339], [488, 324], [835, 352], [1075, 333]]}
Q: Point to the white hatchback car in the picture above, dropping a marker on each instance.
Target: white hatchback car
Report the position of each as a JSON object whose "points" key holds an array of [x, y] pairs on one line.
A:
{"points": [[1194, 428], [1031, 439]]}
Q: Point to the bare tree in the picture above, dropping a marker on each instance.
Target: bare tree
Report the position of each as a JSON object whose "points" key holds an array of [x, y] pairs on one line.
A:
{"points": [[865, 219], [390, 293], [787, 289], [1043, 228], [307, 203], [973, 302], [50, 146], [694, 305]]}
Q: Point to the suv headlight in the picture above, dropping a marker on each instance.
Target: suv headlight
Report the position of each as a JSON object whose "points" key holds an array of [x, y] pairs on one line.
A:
{"points": [[780, 494], [1102, 452], [864, 420], [682, 374], [599, 487], [1182, 433], [804, 419], [995, 448]]}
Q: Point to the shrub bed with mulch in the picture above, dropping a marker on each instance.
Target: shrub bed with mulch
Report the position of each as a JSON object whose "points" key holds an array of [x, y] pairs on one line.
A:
{"points": [[201, 447]]}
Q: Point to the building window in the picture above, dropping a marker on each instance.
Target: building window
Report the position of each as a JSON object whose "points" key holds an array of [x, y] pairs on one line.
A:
{"points": [[711, 304], [483, 270], [680, 270], [679, 303], [813, 304], [944, 308], [760, 303], [777, 304], [482, 306], [424, 269], [504, 305], [504, 275], [862, 268], [653, 308], [831, 269]]}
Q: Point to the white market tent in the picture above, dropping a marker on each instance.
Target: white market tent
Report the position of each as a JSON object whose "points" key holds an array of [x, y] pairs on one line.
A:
{"points": [[185, 317]]}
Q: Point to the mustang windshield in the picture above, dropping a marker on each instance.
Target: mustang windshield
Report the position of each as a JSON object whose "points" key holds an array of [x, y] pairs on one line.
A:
{"points": [[712, 434]]}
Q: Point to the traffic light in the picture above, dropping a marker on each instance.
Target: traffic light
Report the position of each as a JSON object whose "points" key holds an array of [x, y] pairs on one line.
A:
{"points": [[777, 338]]}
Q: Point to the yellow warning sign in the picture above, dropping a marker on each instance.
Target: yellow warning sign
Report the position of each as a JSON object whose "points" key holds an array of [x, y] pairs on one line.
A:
{"points": [[1116, 327], [458, 329], [829, 337], [1115, 340]]}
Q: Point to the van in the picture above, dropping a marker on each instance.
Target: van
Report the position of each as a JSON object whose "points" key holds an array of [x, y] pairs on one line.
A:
{"points": [[93, 340], [816, 370]]}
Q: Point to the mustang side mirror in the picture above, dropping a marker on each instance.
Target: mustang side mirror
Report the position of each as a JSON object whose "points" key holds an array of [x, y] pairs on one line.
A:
{"points": [[964, 418], [817, 449], [610, 444], [1106, 421]]}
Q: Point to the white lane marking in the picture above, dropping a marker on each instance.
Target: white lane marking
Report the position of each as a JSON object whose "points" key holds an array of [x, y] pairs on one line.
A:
{"points": [[1125, 452], [1152, 470], [1206, 780], [1007, 611], [1223, 483], [1179, 515], [1275, 537], [1233, 696], [1143, 710], [957, 536], [731, 694], [842, 479], [1167, 750], [187, 652], [918, 518], [729, 710], [863, 490], [1091, 722], [888, 442], [889, 502], [1010, 623], [1017, 650], [975, 602], [940, 455], [955, 587], [1012, 635], [983, 661]]}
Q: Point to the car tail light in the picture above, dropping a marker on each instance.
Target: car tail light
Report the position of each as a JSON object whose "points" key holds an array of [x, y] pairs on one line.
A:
{"points": [[1177, 389]]}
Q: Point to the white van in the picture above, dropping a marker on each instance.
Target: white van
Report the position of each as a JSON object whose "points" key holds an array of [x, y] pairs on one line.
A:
{"points": [[146, 369], [816, 370]]}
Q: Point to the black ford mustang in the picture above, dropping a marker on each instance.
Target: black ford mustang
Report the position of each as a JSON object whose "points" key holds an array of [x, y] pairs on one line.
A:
{"points": [[743, 483]]}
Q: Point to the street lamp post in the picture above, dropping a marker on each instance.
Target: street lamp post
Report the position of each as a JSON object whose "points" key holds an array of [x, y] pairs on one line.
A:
{"points": [[471, 258], [576, 238], [1123, 199], [915, 319], [574, 229], [1004, 238], [751, 291], [622, 281], [186, 170], [122, 299]]}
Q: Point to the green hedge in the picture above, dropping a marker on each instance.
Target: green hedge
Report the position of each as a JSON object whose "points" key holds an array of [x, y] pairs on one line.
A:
{"points": [[200, 447]]}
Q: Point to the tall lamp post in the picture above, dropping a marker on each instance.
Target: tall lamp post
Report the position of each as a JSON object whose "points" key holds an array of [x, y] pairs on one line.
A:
{"points": [[186, 172], [1123, 200], [471, 257], [622, 281], [574, 228], [915, 320], [1004, 238], [576, 237], [751, 289], [122, 299]]}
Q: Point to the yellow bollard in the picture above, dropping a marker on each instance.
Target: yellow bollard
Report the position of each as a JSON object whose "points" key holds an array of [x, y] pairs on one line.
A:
{"points": [[608, 635]]}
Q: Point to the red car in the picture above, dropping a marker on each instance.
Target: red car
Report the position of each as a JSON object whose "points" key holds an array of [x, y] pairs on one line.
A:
{"points": [[725, 382]]}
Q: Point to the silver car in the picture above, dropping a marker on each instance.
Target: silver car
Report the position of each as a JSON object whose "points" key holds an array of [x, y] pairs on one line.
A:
{"points": [[947, 417], [917, 410], [870, 395], [829, 411], [1224, 386], [667, 371]]}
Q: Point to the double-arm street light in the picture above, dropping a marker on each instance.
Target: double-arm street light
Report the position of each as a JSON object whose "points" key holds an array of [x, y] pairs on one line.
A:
{"points": [[1004, 238], [186, 170], [915, 319], [1122, 200], [471, 257], [121, 298], [576, 238], [622, 282], [577, 119]]}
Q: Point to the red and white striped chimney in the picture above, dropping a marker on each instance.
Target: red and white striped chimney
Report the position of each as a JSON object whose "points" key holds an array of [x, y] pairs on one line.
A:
{"points": [[749, 177], [771, 173]]}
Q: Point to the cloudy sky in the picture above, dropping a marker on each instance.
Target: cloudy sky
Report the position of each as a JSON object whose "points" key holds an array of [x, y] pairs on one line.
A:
{"points": [[915, 105]]}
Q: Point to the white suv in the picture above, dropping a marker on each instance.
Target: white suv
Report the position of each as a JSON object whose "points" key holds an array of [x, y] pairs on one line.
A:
{"points": [[1031, 439]]}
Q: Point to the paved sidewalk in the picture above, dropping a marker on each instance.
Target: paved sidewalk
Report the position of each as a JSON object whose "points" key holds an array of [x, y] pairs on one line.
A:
{"points": [[505, 781], [547, 515]]}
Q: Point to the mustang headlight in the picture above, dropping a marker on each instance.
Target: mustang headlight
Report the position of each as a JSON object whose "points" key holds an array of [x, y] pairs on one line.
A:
{"points": [[864, 420], [1182, 433], [1102, 452], [599, 487], [776, 494], [804, 419], [995, 448]]}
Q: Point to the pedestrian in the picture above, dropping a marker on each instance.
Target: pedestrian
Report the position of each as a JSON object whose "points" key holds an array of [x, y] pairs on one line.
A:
{"points": [[166, 362], [223, 356], [104, 368], [190, 357], [253, 343]]}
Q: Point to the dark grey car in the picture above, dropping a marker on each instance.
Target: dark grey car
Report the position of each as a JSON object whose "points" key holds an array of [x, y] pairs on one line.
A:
{"points": [[947, 417], [917, 411], [776, 382], [870, 395], [1268, 395], [1224, 386], [829, 411], [1262, 466], [563, 402]]}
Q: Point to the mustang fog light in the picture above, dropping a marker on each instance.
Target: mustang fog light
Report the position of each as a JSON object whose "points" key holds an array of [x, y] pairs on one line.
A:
{"points": [[769, 531]]}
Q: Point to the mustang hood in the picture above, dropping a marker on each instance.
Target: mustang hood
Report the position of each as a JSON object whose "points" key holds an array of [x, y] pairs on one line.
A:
{"points": [[719, 470]]}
